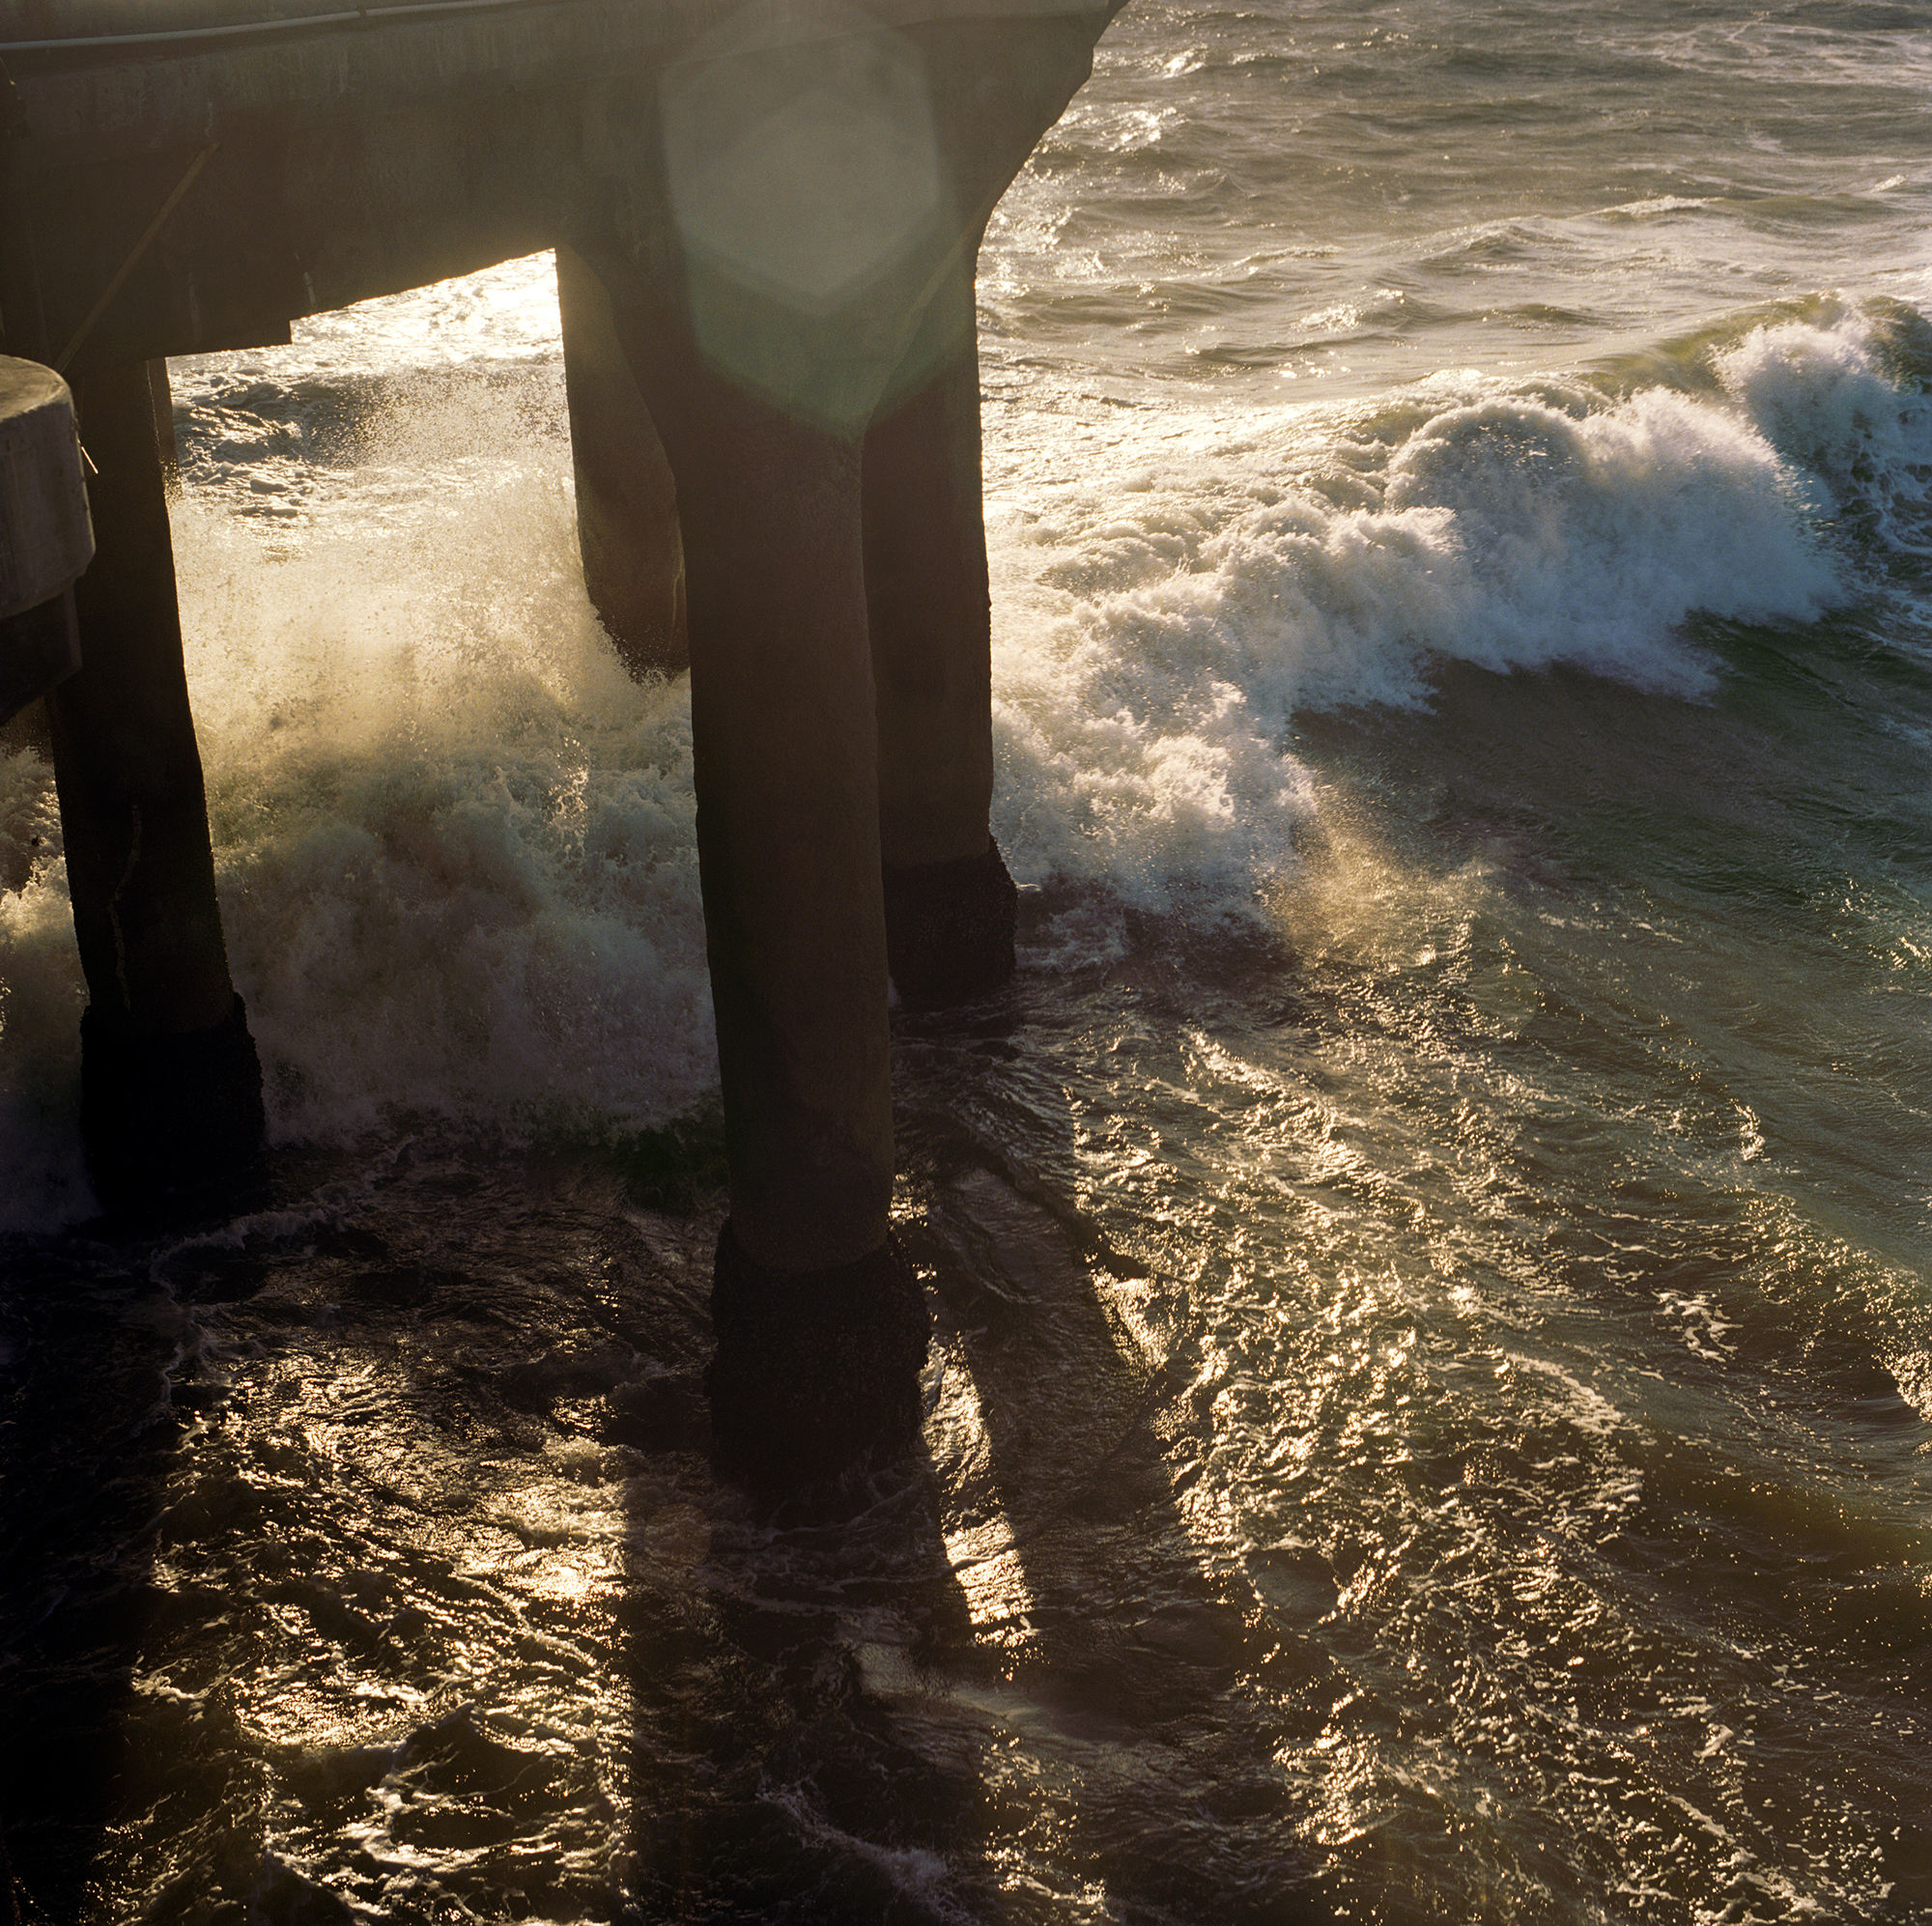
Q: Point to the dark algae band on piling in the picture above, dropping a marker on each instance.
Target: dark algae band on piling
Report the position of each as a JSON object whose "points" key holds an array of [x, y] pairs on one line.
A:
{"points": [[1425, 1409]]}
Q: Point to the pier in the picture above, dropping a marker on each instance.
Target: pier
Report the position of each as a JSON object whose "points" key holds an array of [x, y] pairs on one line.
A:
{"points": [[766, 220]]}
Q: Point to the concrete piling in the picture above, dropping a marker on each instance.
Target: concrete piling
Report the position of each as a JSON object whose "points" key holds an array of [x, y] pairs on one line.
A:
{"points": [[929, 612], [627, 528], [949, 903], [821, 1325], [171, 1087], [783, 731]]}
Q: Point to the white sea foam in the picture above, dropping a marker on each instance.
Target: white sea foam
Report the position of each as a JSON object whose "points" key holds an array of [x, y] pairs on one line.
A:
{"points": [[1825, 396], [1158, 639], [39, 1009], [454, 841]]}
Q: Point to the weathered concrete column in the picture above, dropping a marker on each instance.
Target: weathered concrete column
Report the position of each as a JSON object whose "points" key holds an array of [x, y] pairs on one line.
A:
{"points": [[949, 903], [787, 826], [627, 530], [171, 1089], [821, 1326]]}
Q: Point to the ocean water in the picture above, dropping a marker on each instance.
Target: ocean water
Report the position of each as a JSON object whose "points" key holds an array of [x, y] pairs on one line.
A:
{"points": [[1430, 1414]]}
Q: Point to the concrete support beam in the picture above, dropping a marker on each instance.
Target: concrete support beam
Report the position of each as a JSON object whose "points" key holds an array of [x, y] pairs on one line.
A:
{"points": [[627, 529], [950, 904], [783, 728], [170, 1091]]}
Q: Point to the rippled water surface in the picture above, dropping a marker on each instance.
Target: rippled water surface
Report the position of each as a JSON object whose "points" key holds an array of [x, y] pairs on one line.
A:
{"points": [[1429, 1413]]}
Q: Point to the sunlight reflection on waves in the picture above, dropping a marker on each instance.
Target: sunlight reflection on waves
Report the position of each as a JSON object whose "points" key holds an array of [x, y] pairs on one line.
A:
{"points": [[362, 1614], [1450, 1439], [1441, 1375]]}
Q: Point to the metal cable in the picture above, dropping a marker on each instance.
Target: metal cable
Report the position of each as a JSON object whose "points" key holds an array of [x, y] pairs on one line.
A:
{"points": [[350, 17]]}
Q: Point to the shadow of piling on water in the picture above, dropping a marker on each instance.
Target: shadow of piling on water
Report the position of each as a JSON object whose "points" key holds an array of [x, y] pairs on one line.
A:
{"points": [[365, 1560], [296, 1601], [98, 1386], [797, 1757], [1113, 1660], [455, 1613], [1004, 1683], [1001, 1684]]}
